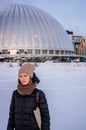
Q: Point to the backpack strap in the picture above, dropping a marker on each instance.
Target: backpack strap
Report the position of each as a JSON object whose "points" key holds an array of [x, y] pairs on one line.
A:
{"points": [[37, 98]]}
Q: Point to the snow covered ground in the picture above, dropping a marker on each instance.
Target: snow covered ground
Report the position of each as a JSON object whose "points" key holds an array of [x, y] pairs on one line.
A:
{"points": [[64, 85]]}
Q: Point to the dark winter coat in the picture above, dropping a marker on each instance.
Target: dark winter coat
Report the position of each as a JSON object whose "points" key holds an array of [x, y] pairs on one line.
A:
{"points": [[21, 115]]}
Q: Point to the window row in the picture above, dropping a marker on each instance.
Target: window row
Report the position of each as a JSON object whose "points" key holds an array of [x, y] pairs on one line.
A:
{"points": [[36, 51]]}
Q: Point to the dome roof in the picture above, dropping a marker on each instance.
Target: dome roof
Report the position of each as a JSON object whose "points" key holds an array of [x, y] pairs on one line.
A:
{"points": [[24, 26]]}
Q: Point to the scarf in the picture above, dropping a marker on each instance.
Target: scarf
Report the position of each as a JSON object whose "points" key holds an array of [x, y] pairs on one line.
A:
{"points": [[26, 89]]}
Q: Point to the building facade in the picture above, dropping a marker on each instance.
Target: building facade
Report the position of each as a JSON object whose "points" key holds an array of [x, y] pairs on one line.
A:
{"points": [[30, 32]]}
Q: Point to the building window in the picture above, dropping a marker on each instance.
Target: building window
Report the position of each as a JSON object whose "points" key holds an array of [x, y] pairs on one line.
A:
{"points": [[56, 51], [62, 52], [29, 51], [21, 51], [76, 39], [66, 52], [13, 52], [51, 51], [44, 51], [37, 51], [4, 51]]}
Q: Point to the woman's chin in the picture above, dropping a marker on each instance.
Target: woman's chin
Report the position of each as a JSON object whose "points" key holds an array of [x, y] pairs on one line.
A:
{"points": [[24, 83]]}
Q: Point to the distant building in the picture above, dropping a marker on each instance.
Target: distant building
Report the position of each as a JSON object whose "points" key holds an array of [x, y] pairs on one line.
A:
{"points": [[79, 43], [30, 32]]}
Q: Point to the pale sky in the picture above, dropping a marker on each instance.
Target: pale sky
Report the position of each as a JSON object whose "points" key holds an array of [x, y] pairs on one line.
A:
{"points": [[71, 14]]}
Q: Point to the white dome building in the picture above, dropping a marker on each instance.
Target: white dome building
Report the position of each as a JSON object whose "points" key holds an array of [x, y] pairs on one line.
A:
{"points": [[31, 32]]}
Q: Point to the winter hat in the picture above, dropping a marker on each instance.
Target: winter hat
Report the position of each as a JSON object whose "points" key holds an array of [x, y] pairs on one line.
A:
{"points": [[28, 69]]}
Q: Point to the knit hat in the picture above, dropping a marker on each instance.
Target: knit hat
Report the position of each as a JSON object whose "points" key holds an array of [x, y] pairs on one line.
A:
{"points": [[28, 69]]}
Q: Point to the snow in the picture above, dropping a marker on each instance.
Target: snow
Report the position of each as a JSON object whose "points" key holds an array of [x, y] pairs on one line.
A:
{"points": [[64, 85]]}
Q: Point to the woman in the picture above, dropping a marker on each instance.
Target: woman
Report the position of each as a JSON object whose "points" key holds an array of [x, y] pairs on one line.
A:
{"points": [[23, 102]]}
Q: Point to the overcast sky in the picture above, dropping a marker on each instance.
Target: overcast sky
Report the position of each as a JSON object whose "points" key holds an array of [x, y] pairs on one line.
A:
{"points": [[71, 14]]}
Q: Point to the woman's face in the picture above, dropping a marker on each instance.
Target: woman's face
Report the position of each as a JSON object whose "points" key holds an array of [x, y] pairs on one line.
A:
{"points": [[24, 78]]}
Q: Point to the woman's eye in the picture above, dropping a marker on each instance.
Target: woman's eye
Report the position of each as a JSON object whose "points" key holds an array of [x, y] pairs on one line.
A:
{"points": [[25, 75]]}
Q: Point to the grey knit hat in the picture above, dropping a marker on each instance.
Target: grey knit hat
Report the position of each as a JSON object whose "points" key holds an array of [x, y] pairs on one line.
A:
{"points": [[28, 69]]}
